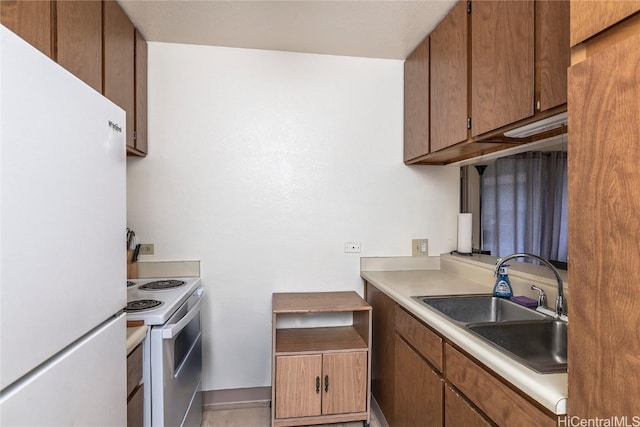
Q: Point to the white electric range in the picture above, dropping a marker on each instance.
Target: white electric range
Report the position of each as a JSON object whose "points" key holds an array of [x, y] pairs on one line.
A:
{"points": [[172, 352]]}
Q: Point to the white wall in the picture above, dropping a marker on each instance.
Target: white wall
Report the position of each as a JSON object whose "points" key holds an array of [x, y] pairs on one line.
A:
{"points": [[262, 165]]}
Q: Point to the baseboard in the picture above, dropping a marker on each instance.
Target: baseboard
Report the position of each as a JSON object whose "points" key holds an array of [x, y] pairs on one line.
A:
{"points": [[236, 398]]}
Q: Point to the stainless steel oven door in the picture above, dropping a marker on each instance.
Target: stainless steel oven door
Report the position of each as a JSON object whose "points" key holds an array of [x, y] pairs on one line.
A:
{"points": [[175, 382]]}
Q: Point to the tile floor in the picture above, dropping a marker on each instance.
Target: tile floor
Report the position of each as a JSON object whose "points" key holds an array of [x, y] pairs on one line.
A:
{"points": [[255, 417]]}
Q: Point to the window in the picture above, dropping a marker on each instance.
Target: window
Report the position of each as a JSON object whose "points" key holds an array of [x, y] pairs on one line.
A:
{"points": [[524, 205]]}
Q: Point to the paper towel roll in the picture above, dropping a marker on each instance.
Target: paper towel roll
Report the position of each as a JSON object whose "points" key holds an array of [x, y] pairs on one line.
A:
{"points": [[464, 233]]}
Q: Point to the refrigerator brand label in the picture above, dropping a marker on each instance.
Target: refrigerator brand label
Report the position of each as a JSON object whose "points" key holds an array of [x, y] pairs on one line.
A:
{"points": [[115, 126]]}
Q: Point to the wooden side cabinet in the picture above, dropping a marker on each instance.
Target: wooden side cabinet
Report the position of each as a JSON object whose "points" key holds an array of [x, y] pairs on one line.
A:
{"points": [[321, 374]]}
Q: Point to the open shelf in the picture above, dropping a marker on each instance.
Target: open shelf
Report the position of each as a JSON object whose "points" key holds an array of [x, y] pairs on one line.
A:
{"points": [[314, 340]]}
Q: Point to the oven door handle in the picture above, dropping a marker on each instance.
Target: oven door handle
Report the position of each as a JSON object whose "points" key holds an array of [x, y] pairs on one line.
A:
{"points": [[172, 330]]}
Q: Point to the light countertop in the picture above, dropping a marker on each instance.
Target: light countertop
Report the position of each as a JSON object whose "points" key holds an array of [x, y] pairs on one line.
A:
{"points": [[449, 277], [135, 335]]}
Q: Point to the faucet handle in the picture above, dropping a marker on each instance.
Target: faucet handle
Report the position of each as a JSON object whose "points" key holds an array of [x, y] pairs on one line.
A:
{"points": [[542, 297], [561, 306]]}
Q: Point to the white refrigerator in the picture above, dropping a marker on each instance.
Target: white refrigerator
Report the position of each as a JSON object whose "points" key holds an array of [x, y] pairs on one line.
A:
{"points": [[62, 246]]}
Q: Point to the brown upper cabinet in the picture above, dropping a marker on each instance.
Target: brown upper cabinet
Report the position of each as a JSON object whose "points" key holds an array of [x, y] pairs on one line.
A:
{"points": [[79, 39], [416, 104], [494, 66], [553, 56], [141, 95], [96, 41], [589, 18], [449, 79], [119, 62], [31, 20], [502, 77]]}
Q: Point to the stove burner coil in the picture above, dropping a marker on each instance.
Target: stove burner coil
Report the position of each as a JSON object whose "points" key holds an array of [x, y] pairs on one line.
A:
{"points": [[141, 305], [161, 285]]}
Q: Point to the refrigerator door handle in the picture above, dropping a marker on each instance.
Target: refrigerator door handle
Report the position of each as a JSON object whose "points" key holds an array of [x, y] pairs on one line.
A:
{"points": [[171, 330]]}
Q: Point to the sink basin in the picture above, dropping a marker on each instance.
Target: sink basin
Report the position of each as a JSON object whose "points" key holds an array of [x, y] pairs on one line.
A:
{"points": [[540, 345], [479, 308]]}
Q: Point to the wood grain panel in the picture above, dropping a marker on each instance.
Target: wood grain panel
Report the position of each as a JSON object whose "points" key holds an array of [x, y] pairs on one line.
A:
{"points": [[416, 102], [316, 302], [449, 79], [296, 394], [423, 339], [418, 389], [141, 93], [459, 413], [135, 408], [604, 201], [318, 339], [134, 369], [119, 62], [382, 350], [31, 20], [553, 55], [590, 17], [503, 405], [502, 72], [79, 39], [346, 388]]}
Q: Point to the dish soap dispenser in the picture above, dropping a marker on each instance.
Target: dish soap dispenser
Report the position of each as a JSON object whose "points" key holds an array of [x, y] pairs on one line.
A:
{"points": [[502, 288]]}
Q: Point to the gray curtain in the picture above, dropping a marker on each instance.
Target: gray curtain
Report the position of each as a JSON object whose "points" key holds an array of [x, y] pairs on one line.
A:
{"points": [[524, 206]]}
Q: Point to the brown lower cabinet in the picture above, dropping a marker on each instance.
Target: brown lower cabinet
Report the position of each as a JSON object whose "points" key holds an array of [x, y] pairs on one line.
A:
{"points": [[418, 389], [435, 383], [135, 390], [458, 412]]}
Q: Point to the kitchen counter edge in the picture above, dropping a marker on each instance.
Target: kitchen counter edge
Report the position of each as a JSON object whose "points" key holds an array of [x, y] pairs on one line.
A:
{"points": [[135, 335]]}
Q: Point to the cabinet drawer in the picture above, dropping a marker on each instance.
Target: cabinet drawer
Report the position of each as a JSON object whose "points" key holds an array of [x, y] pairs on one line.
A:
{"points": [[503, 405], [134, 369], [427, 342]]}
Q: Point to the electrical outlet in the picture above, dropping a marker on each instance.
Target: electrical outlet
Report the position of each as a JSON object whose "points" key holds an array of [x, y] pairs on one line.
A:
{"points": [[419, 247], [352, 247], [146, 249]]}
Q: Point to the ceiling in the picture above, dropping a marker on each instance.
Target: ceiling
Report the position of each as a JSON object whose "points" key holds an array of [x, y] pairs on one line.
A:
{"points": [[377, 29]]}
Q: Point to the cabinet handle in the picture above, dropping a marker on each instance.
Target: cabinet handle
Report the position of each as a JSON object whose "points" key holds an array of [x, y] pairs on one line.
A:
{"points": [[326, 383], [317, 385]]}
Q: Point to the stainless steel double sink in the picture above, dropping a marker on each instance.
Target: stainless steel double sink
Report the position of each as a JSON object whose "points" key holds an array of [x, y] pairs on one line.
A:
{"points": [[534, 339]]}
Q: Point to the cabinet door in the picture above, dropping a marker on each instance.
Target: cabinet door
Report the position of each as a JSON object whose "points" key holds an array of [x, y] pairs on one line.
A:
{"points": [[589, 17], [449, 79], [119, 62], [416, 102], [31, 20], [382, 350], [296, 391], [344, 382], [459, 413], [604, 201], [79, 39], [418, 390], [502, 71], [141, 93], [553, 54]]}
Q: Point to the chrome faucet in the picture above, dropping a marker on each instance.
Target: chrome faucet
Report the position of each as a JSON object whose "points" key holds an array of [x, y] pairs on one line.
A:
{"points": [[561, 302]]}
